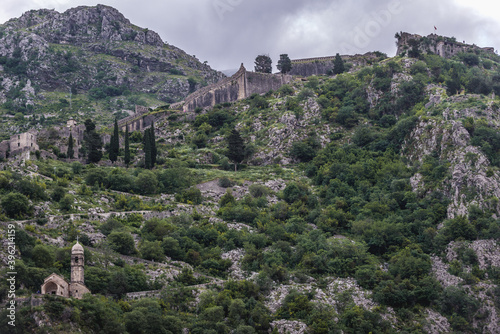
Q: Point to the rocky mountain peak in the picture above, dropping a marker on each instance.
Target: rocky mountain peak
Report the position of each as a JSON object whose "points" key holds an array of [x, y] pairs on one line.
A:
{"points": [[99, 53], [84, 24]]}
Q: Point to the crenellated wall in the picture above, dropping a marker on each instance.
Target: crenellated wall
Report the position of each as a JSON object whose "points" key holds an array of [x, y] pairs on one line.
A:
{"points": [[239, 86], [307, 67]]}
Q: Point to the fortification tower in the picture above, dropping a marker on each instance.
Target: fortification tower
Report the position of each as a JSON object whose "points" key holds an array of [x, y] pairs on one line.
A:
{"points": [[77, 261]]}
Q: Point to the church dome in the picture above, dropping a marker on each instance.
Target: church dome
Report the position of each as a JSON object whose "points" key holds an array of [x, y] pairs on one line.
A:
{"points": [[77, 248]]}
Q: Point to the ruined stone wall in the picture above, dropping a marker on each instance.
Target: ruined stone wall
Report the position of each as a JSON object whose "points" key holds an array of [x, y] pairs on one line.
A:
{"points": [[23, 142], [134, 122], [446, 47], [138, 123], [4, 149], [77, 132], [143, 294], [403, 42]]}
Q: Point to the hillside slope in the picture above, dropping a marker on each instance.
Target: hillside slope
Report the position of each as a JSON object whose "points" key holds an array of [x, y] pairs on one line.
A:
{"points": [[91, 55], [365, 202]]}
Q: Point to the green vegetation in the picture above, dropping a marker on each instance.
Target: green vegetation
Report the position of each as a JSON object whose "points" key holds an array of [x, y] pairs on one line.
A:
{"points": [[114, 146], [358, 216], [338, 65], [126, 157], [263, 64], [284, 64], [92, 142], [235, 148]]}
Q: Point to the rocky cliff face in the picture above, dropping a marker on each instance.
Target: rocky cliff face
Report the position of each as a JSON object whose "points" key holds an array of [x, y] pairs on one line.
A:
{"points": [[469, 180], [94, 47]]}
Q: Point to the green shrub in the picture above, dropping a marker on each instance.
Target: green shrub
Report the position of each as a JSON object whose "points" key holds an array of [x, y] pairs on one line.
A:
{"points": [[225, 182], [122, 242], [110, 225], [227, 199], [96, 176], [347, 117], [258, 190], [258, 102], [146, 183], [66, 203], [58, 193], [295, 192], [285, 90], [15, 204], [152, 250], [31, 189], [191, 195], [173, 180]]}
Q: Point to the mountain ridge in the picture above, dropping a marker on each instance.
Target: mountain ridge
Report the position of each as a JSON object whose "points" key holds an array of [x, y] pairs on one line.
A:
{"points": [[95, 52]]}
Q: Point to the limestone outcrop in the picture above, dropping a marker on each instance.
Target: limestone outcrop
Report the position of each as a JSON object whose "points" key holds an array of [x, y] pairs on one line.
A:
{"points": [[469, 180]]}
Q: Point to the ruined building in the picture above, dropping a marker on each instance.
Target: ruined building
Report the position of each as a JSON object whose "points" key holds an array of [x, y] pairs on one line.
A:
{"points": [[445, 47], [23, 142]]}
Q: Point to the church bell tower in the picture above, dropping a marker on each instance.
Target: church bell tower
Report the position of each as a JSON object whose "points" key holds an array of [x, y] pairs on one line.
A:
{"points": [[77, 261]]}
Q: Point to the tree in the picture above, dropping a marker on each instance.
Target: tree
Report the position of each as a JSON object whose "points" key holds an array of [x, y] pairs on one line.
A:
{"points": [[146, 183], [15, 204], [284, 64], [92, 142], [71, 152], [454, 82], [42, 256], [114, 145], [147, 149], [263, 64], [338, 65], [152, 138], [235, 148], [122, 242], [65, 204], [127, 148], [152, 250]]}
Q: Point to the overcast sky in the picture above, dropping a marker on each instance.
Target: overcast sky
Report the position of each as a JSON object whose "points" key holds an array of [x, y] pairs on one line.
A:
{"points": [[228, 32]]}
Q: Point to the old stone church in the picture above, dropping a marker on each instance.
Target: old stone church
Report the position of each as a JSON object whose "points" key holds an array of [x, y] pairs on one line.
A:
{"points": [[56, 284]]}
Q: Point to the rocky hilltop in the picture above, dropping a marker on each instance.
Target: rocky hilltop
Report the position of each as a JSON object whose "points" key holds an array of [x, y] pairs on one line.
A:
{"points": [[92, 51]]}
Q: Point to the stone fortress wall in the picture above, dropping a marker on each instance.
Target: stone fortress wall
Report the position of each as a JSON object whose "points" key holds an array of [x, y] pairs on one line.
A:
{"points": [[307, 67], [137, 121], [237, 87]]}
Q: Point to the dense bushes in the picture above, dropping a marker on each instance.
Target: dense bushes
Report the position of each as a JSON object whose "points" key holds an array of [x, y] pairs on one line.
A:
{"points": [[102, 92], [15, 205], [145, 182]]}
